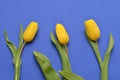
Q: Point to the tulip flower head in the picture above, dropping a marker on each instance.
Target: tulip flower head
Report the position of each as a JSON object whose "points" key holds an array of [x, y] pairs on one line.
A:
{"points": [[62, 34], [30, 31], [92, 30]]}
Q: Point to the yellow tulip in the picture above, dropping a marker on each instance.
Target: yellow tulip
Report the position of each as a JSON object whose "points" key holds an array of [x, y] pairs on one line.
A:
{"points": [[30, 31], [62, 34], [92, 30]]}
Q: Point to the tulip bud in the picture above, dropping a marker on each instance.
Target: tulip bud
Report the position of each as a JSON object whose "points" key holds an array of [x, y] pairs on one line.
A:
{"points": [[62, 34], [92, 30], [30, 31]]}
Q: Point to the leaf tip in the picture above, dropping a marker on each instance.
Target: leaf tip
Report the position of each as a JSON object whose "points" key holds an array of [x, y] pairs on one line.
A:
{"points": [[111, 37], [51, 34], [6, 36], [35, 53]]}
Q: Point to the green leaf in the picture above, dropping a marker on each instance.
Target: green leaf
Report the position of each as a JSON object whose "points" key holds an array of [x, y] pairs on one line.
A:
{"points": [[11, 46], [63, 54], [20, 37], [110, 47], [95, 48], [44, 63], [104, 71], [54, 40], [56, 43], [70, 76], [59, 46], [16, 53]]}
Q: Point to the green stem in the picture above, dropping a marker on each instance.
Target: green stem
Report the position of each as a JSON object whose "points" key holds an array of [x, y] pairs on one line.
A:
{"points": [[104, 70], [17, 70], [104, 73], [97, 52], [66, 49], [18, 63], [65, 60], [21, 49]]}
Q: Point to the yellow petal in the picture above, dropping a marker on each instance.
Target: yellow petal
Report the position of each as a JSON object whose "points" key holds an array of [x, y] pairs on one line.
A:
{"points": [[62, 34], [92, 30], [30, 31]]}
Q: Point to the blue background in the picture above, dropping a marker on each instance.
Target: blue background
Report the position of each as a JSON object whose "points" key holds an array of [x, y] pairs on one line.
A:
{"points": [[72, 14]]}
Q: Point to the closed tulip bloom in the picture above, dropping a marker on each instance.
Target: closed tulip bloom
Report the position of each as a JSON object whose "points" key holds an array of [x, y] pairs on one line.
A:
{"points": [[30, 31], [92, 30], [62, 34]]}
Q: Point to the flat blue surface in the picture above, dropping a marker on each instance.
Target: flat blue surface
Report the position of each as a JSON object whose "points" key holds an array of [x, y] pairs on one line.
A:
{"points": [[72, 14]]}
